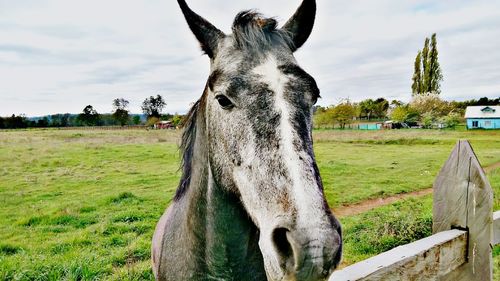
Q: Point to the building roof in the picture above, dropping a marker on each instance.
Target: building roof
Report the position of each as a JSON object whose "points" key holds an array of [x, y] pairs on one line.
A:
{"points": [[489, 111]]}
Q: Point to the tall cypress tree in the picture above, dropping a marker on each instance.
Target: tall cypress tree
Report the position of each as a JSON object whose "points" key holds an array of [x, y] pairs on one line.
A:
{"points": [[416, 87], [425, 66], [435, 75], [427, 74]]}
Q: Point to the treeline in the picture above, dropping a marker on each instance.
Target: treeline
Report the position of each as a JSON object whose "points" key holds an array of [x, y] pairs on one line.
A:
{"points": [[152, 108], [424, 110], [65, 120], [346, 112]]}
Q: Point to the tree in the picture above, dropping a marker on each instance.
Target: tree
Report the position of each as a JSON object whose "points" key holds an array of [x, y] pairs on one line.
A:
{"points": [[396, 103], [435, 76], [357, 109], [344, 114], [60, 120], [89, 116], [487, 101], [55, 120], [153, 106], [136, 120], [316, 108], [323, 117], [412, 117], [152, 121], [380, 108], [65, 120], [399, 114], [430, 104], [427, 75], [16, 122], [425, 66], [43, 123], [416, 87], [367, 107], [120, 113], [176, 120], [372, 108]]}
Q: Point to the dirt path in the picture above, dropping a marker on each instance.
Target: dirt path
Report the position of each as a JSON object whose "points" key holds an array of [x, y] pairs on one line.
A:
{"points": [[492, 167], [358, 208]]}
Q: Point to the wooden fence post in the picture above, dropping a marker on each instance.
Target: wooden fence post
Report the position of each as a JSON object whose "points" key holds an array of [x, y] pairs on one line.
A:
{"points": [[463, 199]]}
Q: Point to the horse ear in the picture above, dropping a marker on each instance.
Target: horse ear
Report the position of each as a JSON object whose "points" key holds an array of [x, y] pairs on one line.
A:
{"points": [[300, 25], [207, 34]]}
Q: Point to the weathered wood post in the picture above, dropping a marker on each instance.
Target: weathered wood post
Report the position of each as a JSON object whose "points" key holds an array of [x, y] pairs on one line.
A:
{"points": [[463, 199]]}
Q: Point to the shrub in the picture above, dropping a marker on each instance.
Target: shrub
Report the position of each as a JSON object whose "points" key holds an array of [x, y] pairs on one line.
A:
{"points": [[399, 114], [427, 120], [430, 103], [452, 120]]}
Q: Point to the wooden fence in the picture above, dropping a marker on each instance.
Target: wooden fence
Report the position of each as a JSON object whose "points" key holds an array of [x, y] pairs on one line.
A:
{"points": [[465, 231]]}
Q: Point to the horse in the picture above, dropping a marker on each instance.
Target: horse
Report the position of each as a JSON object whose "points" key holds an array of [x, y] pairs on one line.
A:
{"points": [[250, 203]]}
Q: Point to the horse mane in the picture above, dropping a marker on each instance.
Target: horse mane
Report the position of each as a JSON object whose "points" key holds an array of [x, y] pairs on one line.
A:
{"points": [[186, 148], [252, 32]]}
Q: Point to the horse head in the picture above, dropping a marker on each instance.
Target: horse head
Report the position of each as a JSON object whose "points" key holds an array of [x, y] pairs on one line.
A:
{"points": [[257, 108]]}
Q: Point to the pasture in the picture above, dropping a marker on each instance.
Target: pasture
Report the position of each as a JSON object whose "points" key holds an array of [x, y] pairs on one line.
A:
{"points": [[83, 204]]}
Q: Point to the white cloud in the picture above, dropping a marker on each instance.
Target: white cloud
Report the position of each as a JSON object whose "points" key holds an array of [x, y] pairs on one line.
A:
{"points": [[58, 55]]}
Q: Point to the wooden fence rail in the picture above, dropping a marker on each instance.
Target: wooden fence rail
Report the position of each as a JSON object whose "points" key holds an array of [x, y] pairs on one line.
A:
{"points": [[465, 230]]}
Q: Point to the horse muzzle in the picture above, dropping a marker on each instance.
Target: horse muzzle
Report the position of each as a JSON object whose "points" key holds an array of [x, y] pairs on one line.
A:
{"points": [[304, 254]]}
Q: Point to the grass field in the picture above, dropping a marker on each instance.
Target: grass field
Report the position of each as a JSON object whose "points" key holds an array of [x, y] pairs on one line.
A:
{"points": [[83, 204]]}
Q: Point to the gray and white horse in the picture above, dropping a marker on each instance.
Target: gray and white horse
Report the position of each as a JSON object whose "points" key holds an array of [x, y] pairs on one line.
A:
{"points": [[250, 204]]}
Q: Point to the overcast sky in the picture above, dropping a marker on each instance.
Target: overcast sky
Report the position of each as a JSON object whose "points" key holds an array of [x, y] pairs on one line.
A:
{"points": [[58, 56]]}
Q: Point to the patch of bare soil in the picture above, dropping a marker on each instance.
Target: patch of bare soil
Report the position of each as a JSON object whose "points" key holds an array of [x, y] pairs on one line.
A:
{"points": [[492, 167], [358, 208]]}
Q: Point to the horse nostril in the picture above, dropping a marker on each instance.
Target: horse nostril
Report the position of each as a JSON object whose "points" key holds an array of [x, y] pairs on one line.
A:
{"points": [[282, 244]]}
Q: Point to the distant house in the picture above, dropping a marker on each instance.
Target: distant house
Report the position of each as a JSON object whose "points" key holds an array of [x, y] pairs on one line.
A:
{"points": [[164, 125], [483, 117]]}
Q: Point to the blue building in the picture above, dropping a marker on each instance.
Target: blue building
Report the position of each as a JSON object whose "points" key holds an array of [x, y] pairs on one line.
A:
{"points": [[483, 117], [372, 126]]}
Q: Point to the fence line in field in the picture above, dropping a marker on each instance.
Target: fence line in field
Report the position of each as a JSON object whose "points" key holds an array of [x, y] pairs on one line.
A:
{"points": [[107, 128], [464, 227]]}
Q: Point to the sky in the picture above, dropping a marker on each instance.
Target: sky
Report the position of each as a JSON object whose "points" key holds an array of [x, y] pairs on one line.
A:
{"points": [[57, 56]]}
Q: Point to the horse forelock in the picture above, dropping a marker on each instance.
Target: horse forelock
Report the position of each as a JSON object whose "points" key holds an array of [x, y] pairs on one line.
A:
{"points": [[253, 32]]}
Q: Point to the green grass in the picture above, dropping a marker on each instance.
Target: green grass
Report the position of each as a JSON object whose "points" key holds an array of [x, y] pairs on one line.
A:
{"points": [[83, 204], [386, 227], [360, 165]]}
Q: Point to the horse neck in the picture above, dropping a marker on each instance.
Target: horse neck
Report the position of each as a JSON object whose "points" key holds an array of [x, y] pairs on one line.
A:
{"points": [[221, 230]]}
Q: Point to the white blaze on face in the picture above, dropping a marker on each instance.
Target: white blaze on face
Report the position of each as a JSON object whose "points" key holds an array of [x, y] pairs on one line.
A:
{"points": [[304, 191], [301, 187]]}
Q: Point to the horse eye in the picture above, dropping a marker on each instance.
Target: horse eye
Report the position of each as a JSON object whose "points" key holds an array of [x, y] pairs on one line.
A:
{"points": [[224, 102], [316, 96], [314, 100]]}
